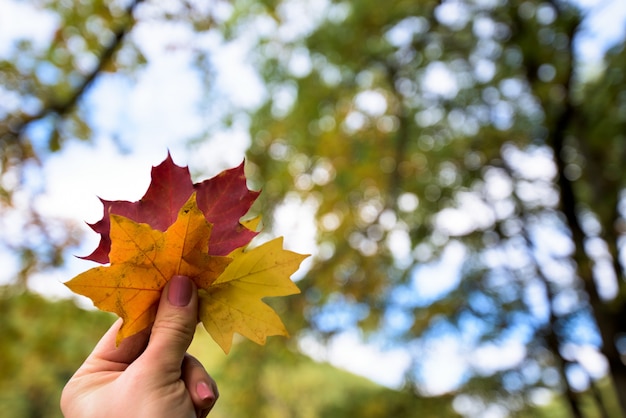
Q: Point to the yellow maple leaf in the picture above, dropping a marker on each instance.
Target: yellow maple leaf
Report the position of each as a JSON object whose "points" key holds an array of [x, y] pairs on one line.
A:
{"points": [[233, 302], [143, 260]]}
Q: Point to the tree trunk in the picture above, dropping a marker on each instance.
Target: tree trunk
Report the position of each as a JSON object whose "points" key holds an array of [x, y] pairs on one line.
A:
{"points": [[609, 325]]}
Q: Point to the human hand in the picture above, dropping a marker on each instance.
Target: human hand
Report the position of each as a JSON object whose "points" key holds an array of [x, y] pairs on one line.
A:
{"points": [[149, 374]]}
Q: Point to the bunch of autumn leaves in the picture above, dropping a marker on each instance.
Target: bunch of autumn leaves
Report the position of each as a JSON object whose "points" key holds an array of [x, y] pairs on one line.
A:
{"points": [[182, 228]]}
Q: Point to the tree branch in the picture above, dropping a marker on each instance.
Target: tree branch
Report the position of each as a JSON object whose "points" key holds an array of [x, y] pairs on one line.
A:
{"points": [[62, 108]]}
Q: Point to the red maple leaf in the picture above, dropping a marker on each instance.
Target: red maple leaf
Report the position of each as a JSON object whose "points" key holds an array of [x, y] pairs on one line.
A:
{"points": [[223, 200]]}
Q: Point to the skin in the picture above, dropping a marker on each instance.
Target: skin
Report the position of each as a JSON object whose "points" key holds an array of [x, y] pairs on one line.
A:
{"points": [[149, 374]]}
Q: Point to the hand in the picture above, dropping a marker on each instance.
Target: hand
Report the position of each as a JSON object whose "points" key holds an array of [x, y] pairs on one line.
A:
{"points": [[149, 375]]}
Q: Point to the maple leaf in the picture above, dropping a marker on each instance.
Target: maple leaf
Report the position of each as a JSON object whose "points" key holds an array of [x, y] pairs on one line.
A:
{"points": [[182, 228], [233, 302], [223, 199], [143, 260]]}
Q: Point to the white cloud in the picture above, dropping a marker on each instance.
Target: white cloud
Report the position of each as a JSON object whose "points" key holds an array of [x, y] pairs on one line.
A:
{"points": [[442, 366], [490, 357], [24, 21], [347, 351], [435, 279]]}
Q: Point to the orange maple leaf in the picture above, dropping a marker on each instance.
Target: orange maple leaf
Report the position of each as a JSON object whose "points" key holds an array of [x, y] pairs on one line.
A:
{"points": [[143, 260]]}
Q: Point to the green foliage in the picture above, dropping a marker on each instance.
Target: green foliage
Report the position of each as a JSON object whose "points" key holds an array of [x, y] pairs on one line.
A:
{"points": [[590, 400], [275, 381], [42, 343]]}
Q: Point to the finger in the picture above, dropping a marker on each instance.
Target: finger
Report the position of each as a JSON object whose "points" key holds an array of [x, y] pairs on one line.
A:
{"points": [[200, 385], [107, 355], [174, 326]]}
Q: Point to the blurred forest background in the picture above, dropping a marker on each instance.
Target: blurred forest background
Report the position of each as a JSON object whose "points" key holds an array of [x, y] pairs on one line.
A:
{"points": [[463, 145]]}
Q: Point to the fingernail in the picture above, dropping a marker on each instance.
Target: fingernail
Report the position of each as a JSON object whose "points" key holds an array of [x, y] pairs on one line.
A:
{"points": [[204, 391], [180, 291]]}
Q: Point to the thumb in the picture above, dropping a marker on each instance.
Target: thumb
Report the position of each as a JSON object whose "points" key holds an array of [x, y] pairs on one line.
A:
{"points": [[174, 326]]}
